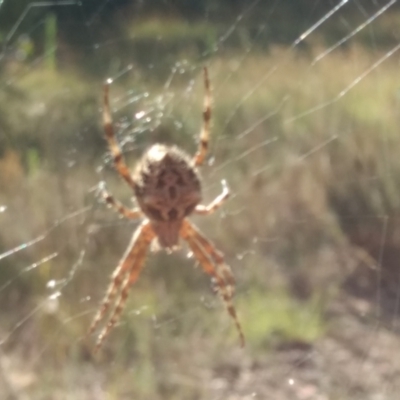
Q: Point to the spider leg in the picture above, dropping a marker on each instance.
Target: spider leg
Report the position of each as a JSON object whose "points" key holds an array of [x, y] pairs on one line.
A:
{"points": [[207, 245], [139, 243], [216, 203], [205, 132], [118, 159], [116, 205], [196, 241], [217, 257], [138, 262]]}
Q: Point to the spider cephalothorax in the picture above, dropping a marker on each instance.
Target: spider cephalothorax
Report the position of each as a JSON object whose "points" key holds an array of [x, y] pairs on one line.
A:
{"points": [[167, 188]]}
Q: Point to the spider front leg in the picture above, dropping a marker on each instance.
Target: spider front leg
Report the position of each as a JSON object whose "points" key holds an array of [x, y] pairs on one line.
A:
{"points": [[195, 241], [118, 159], [216, 203], [205, 132], [116, 205], [131, 261]]}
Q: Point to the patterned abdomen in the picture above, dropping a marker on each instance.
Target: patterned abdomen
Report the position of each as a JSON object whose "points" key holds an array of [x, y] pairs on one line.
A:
{"points": [[167, 188]]}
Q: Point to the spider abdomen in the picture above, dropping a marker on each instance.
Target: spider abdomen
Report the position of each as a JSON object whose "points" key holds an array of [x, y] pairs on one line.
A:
{"points": [[167, 189]]}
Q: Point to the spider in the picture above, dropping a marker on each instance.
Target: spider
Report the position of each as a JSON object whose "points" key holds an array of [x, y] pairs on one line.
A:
{"points": [[167, 187]]}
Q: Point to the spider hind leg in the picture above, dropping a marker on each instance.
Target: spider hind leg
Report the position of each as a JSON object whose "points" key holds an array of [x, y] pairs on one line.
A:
{"points": [[130, 264], [222, 275]]}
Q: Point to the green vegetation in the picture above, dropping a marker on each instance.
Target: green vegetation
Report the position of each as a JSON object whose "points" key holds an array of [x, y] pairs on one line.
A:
{"points": [[297, 232], [273, 318], [303, 230], [50, 41]]}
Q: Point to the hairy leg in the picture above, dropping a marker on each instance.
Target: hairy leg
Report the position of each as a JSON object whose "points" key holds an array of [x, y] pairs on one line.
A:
{"points": [[119, 307], [139, 243], [216, 203], [118, 159], [118, 206], [189, 234], [205, 132]]}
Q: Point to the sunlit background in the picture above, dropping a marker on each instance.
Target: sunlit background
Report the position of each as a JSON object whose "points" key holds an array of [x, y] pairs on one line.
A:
{"points": [[305, 117]]}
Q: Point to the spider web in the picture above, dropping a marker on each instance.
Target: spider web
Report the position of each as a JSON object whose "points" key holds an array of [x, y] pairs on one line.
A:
{"points": [[305, 111]]}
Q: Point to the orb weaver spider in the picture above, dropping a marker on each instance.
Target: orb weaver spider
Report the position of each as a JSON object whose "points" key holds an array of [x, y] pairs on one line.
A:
{"points": [[167, 188]]}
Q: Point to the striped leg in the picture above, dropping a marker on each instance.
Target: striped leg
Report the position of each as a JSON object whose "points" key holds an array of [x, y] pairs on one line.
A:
{"points": [[205, 132], [218, 258], [195, 240], [140, 249], [119, 162], [116, 205], [216, 203], [139, 243]]}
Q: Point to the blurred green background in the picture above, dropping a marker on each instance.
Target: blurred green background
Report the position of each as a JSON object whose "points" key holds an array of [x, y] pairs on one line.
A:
{"points": [[309, 146]]}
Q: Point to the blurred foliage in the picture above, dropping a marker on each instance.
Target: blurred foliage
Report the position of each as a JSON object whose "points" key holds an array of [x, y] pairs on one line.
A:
{"points": [[47, 100], [274, 319], [50, 40], [291, 260], [197, 28], [60, 115]]}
